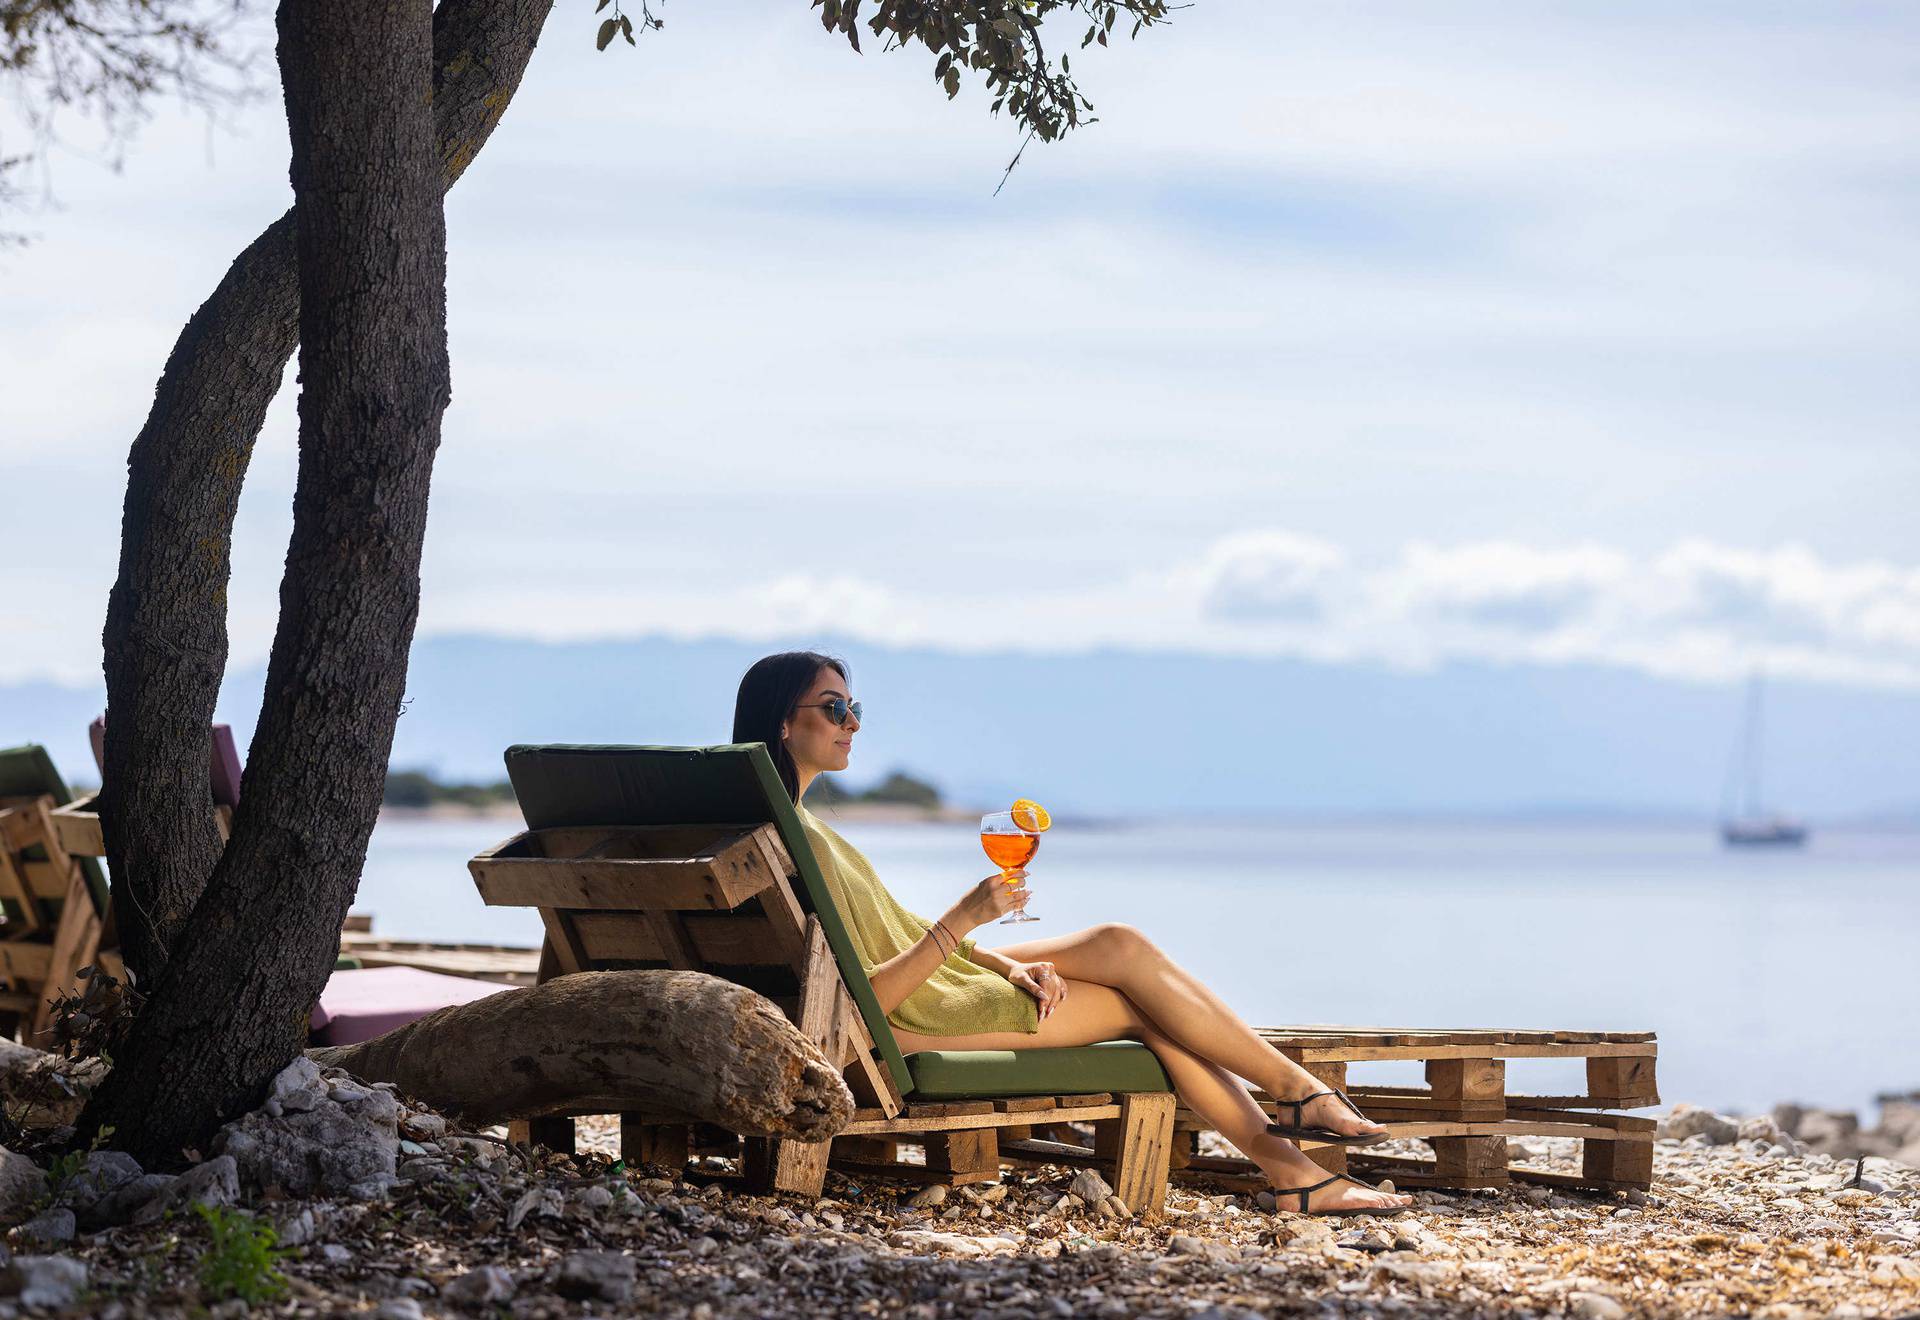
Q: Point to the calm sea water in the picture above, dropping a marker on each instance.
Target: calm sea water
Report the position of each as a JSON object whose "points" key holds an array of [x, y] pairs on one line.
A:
{"points": [[1769, 976]]}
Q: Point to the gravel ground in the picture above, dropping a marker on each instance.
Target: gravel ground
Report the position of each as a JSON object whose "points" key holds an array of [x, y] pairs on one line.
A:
{"points": [[1745, 1228]]}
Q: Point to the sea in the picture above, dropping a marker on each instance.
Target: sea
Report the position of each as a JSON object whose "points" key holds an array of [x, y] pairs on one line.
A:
{"points": [[1770, 975]]}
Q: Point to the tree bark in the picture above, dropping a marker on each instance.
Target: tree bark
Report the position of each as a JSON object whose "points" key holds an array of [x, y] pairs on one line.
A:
{"points": [[166, 629], [370, 245], [682, 1045]]}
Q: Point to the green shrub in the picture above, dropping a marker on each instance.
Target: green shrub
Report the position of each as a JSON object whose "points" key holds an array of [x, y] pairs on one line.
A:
{"points": [[241, 1257]]}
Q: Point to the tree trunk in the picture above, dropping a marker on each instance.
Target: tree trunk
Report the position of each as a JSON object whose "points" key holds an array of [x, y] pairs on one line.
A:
{"points": [[682, 1045], [166, 629], [370, 240]]}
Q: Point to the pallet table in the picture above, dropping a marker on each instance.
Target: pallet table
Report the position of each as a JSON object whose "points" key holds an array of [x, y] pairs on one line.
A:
{"points": [[1465, 1112]]}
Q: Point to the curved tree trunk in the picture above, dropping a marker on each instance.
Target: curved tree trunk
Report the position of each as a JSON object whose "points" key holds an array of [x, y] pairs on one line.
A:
{"points": [[682, 1045], [166, 629], [371, 250]]}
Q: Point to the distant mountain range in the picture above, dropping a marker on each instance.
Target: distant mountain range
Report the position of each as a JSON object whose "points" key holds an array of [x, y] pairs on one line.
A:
{"points": [[1117, 733]]}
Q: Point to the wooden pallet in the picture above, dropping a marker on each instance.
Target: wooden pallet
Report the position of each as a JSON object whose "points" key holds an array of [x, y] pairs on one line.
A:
{"points": [[51, 928], [1465, 1112]]}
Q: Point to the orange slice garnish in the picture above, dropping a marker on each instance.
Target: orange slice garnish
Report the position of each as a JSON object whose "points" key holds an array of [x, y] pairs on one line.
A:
{"points": [[1031, 816]]}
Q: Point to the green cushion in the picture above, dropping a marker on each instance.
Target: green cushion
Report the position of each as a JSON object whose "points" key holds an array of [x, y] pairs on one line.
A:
{"points": [[1117, 1065], [28, 772], [735, 784]]}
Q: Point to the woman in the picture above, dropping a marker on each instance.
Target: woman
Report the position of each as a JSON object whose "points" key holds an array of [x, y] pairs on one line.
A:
{"points": [[940, 990]]}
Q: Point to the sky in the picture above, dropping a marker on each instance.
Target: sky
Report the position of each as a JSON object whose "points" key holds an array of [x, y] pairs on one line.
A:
{"points": [[1373, 333]]}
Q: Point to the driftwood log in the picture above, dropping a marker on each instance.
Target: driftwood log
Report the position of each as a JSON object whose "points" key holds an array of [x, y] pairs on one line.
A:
{"points": [[42, 1090], [681, 1046]]}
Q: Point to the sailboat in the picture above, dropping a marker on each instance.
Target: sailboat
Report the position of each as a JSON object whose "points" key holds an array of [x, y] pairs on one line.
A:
{"points": [[1751, 825]]}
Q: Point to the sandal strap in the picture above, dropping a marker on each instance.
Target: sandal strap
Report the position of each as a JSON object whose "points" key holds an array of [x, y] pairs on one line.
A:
{"points": [[1299, 1107], [1304, 1192]]}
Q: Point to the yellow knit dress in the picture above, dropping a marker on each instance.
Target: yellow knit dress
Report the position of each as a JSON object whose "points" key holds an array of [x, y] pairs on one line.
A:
{"points": [[961, 998]]}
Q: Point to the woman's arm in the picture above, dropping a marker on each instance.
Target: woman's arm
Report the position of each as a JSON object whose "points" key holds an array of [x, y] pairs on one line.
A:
{"points": [[902, 974]]}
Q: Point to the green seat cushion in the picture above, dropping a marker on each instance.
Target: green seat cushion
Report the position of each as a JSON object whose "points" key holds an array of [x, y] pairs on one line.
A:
{"points": [[1116, 1065]]}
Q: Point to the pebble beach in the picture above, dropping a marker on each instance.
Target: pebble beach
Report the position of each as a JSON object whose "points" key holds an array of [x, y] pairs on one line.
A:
{"points": [[1742, 1219]]}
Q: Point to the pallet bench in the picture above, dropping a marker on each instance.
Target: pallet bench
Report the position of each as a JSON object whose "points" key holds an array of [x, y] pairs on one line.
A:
{"points": [[1465, 1112]]}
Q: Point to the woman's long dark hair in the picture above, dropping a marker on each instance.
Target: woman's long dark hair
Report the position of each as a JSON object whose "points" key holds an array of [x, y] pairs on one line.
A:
{"points": [[768, 693]]}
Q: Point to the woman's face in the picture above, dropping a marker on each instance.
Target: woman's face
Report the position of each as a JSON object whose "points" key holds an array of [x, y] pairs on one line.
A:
{"points": [[814, 741]]}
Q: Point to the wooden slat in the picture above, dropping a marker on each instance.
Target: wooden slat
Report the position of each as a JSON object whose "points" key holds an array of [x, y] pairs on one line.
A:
{"points": [[21, 822], [1562, 1117], [675, 943], [44, 879], [13, 885], [24, 961], [75, 938], [1366, 1053], [564, 942], [515, 874], [77, 826], [909, 1122]]}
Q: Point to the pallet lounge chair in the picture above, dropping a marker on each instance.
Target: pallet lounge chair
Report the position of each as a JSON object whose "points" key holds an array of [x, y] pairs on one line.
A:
{"points": [[78, 821], [54, 902], [694, 858]]}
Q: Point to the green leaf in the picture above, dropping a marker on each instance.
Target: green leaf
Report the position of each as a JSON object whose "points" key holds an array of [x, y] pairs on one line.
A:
{"points": [[607, 29]]}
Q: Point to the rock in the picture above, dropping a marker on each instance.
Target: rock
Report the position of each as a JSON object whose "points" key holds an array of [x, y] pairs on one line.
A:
{"points": [[1787, 1118], [1767, 1130], [22, 1182], [209, 1183], [702, 1247], [604, 1276], [1266, 1201], [1066, 1205], [933, 1194], [49, 1228], [927, 1242], [1183, 1244], [399, 1308], [486, 1286], [51, 1282], [314, 1144], [590, 1200], [1364, 1239], [544, 1201], [991, 1194], [1692, 1121], [102, 1173], [1832, 1131], [334, 1254], [1090, 1187], [1114, 1208], [1595, 1306], [1415, 1271], [120, 1205], [424, 1126]]}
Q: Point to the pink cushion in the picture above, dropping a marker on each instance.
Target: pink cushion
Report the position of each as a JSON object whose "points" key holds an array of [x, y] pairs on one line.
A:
{"points": [[361, 1003]]}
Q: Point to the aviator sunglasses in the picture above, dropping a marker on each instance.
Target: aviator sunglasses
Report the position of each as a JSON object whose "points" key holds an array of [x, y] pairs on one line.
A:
{"points": [[837, 709]]}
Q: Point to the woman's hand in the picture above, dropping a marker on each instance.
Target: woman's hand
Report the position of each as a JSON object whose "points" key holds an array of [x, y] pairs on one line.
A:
{"points": [[991, 899], [1040, 980]]}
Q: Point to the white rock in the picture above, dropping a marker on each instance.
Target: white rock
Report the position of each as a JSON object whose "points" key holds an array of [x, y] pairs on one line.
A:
{"points": [[933, 1194], [1692, 1121], [1595, 1306], [399, 1308], [51, 1282]]}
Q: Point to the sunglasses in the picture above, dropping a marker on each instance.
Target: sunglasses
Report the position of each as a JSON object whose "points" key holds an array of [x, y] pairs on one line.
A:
{"points": [[837, 709]]}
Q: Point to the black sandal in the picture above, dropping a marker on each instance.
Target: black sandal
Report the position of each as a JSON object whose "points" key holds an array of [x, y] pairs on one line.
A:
{"points": [[1304, 1192], [1295, 1131]]}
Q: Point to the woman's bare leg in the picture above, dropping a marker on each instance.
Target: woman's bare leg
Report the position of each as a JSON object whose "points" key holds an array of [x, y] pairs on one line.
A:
{"points": [[1177, 1004], [1094, 1012]]}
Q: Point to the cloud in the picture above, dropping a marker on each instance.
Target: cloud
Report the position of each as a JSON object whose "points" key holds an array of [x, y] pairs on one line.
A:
{"points": [[1267, 575]]}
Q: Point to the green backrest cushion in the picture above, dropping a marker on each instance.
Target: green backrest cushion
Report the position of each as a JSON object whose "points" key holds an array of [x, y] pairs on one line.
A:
{"points": [[560, 786], [28, 771]]}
